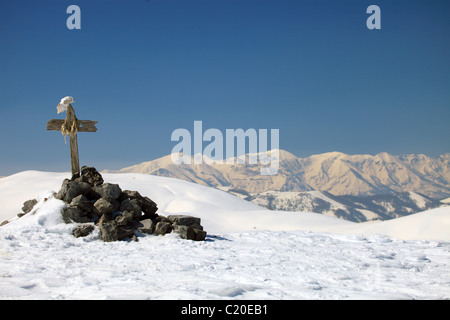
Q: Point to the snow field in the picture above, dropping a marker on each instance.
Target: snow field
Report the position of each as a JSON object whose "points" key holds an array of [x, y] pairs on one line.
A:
{"points": [[249, 253], [52, 264]]}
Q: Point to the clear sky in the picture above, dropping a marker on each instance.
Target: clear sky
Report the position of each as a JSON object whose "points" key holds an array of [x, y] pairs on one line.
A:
{"points": [[311, 69]]}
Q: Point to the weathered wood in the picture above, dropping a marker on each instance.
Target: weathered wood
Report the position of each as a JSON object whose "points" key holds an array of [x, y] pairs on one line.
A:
{"points": [[83, 125], [74, 158], [71, 126]]}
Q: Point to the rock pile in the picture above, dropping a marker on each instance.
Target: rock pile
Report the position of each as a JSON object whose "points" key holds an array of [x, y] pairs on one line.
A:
{"points": [[119, 214]]}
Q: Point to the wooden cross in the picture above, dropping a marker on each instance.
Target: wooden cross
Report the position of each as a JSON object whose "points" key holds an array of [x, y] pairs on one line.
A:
{"points": [[71, 125]]}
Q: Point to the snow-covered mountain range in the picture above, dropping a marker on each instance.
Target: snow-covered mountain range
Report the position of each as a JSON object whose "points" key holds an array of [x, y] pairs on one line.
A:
{"points": [[333, 172], [353, 208], [352, 187]]}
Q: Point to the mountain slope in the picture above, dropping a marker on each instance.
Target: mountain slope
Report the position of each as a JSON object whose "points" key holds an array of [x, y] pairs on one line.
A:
{"points": [[334, 172], [352, 208]]}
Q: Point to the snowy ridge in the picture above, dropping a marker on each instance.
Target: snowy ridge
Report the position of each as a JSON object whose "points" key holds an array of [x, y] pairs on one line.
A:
{"points": [[333, 172], [352, 208], [250, 253]]}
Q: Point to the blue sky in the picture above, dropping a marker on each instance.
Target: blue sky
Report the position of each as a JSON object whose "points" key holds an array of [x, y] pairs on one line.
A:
{"points": [[311, 69]]}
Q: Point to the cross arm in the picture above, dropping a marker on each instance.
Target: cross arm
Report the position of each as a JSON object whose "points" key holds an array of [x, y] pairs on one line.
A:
{"points": [[84, 125]]}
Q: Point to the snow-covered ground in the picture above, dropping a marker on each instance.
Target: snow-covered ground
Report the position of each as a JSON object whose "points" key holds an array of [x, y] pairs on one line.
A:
{"points": [[250, 252]]}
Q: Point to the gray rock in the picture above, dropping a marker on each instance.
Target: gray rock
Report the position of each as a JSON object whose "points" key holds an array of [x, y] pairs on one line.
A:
{"points": [[28, 205], [74, 214], [128, 194], [63, 190], [121, 220], [145, 226], [91, 176], [185, 232], [109, 231], [131, 206], [160, 218], [104, 219], [116, 204], [103, 206], [72, 189], [124, 232], [146, 204], [83, 230], [128, 215], [185, 220], [108, 191], [4, 222], [82, 202], [90, 199], [200, 235], [162, 228]]}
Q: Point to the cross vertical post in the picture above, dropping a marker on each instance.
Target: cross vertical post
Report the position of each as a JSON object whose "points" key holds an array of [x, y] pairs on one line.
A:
{"points": [[73, 140], [71, 126]]}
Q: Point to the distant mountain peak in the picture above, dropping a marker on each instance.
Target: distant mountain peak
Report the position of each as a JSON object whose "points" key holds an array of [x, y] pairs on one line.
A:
{"points": [[331, 154], [334, 172]]}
